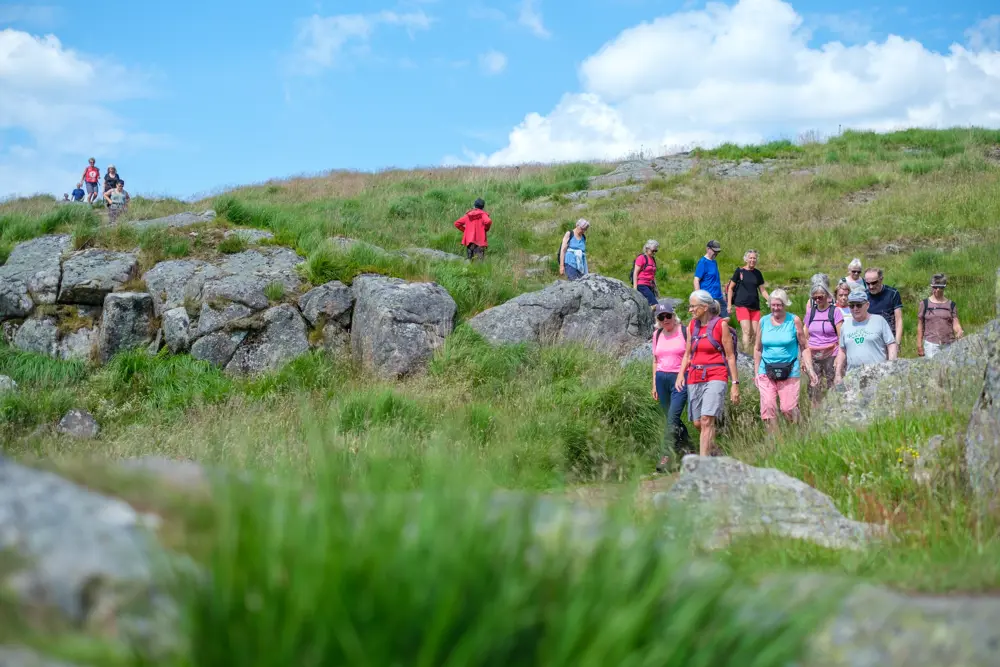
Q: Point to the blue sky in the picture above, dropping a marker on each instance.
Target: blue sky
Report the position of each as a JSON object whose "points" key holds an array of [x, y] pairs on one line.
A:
{"points": [[189, 97]]}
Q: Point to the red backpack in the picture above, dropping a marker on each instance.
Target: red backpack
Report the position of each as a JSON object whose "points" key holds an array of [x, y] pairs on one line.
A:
{"points": [[697, 334]]}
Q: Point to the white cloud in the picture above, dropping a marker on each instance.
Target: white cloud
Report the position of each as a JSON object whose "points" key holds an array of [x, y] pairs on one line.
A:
{"points": [[493, 62], [985, 34], [60, 100], [320, 40], [531, 19], [747, 73]]}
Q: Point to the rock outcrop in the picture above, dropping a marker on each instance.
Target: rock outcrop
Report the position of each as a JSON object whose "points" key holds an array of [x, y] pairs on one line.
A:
{"points": [[397, 325], [79, 424], [727, 498], [90, 275], [280, 338], [127, 323], [31, 275], [597, 311], [185, 219], [982, 439], [7, 384]]}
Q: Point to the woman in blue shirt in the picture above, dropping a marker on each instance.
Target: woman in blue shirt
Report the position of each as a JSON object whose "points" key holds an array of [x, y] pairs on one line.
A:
{"points": [[573, 252]]}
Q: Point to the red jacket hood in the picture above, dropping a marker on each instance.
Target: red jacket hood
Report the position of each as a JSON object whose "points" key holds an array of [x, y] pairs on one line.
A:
{"points": [[476, 214]]}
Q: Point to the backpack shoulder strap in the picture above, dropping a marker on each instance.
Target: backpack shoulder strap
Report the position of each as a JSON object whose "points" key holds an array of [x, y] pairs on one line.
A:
{"points": [[923, 314], [812, 313], [710, 333]]}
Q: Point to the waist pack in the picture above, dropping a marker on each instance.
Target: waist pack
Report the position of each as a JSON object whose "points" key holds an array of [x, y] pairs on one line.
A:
{"points": [[780, 371]]}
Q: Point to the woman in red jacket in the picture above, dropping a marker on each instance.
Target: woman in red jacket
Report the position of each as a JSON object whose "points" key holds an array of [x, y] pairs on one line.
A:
{"points": [[474, 226]]}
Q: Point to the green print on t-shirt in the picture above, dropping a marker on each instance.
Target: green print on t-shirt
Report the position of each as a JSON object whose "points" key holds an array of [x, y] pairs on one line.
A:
{"points": [[859, 335]]}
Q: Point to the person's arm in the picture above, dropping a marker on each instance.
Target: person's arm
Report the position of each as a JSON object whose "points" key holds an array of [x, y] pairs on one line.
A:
{"points": [[727, 346], [635, 276], [107, 195], [730, 288], [920, 330], [654, 365], [758, 352], [697, 275], [957, 327], [898, 313], [836, 344], [806, 353], [682, 373], [839, 364], [488, 223], [562, 253], [460, 223], [892, 346], [893, 351]]}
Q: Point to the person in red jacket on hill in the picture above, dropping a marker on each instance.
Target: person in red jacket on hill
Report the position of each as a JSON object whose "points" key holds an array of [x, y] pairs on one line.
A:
{"points": [[474, 226]]}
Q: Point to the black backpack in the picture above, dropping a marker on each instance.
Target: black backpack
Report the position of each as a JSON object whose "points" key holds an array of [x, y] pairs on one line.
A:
{"points": [[645, 264], [927, 305], [559, 251], [830, 314]]}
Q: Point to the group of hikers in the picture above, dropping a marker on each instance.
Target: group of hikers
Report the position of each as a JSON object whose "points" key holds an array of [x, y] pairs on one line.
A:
{"points": [[857, 323], [114, 195]]}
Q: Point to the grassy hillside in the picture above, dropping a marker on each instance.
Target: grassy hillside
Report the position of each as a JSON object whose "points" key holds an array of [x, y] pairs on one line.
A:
{"points": [[561, 419]]}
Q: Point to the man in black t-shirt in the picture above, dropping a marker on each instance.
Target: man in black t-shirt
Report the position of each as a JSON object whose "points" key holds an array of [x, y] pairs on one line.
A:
{"points": [[744, 290], [884, 301]]}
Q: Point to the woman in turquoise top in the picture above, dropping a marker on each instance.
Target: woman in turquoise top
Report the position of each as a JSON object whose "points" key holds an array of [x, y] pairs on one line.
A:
{"points": [[781, 342], [573, 252]]}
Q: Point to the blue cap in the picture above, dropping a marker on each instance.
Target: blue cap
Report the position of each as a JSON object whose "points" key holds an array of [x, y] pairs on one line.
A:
{"points": [[857, 296]]}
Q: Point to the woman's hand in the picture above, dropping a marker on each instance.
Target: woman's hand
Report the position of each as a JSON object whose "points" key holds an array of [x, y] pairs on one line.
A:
{"points": [[679, 383], [562, 270], [813, 378], [656, 396], [734, 394]]}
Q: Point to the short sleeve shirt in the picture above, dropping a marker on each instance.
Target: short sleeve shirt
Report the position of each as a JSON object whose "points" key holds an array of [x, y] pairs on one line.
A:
{"points": [[747, 291], [647, 270], [866, 343], [707, 272], [885, 304]]}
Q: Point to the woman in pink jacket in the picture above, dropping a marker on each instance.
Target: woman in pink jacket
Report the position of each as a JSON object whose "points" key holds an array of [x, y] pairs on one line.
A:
{"points": [[474, 226]]}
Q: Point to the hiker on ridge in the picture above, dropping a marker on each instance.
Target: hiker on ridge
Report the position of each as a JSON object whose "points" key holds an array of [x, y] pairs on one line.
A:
{"points": [[864, 339], [644, 273], [937, 320], [78, 192], [92, 177], [669, 345], [823, 324], [709, 361], [117, 201], [474, 226], [706, 276], [573, 251], [781, 342], [111, 179], [744, 290], [885, 301]]}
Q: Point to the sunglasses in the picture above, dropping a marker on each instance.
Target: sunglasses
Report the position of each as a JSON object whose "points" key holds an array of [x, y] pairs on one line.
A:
{"points": [[665, 316], [873, 283], [852, 306], [938, 286], [855, 271]]}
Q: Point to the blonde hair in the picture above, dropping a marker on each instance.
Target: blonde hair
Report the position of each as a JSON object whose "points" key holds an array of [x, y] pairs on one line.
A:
{"points": [[855, 264], [781, 295]]}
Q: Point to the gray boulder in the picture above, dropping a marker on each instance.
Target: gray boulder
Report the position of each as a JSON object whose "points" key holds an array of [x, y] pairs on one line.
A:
{"points": [[281, 339], [728, 498], [431, 254], [79, 424], [251, 236], [398, 325], [176, 330], [38, 335], [273, 264], [7, 384], [876, 627], [230, 298], [79, 344], [84, 556], [90, 275], [982, 438], [603, 313], [329, 303], [128, 323], [217, 348], [892, 388], [185, 219], [175, 283], [31, 274]]}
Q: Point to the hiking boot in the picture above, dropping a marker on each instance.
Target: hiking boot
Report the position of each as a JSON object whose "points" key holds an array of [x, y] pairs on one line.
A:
{"points": [[663, 465]]}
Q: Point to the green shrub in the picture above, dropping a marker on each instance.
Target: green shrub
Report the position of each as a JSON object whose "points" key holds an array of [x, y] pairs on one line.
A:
{"points": [[232, 244], [405, 208], [386, 408], [274, 291]]}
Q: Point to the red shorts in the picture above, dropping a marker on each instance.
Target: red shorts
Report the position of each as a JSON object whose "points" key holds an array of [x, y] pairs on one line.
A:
{"points": [[744, 314]]}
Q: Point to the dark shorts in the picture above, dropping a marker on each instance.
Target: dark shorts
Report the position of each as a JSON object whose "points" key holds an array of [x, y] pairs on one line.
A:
{"points": [[91, 188], [473, 251], [647, 292], [572, 273]]}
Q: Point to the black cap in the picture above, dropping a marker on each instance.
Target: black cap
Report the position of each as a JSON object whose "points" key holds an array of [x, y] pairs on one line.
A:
{"points": [[479, 203], [714, 245]]}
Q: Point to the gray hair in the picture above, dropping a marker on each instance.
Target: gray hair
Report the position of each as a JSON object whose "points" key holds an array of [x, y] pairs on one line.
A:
{"points": [[702, 297], [583, 223], [855, 265], [751, 251], [651, 244], [781, 295], [876, 270], [715, 308], [820, 282]]}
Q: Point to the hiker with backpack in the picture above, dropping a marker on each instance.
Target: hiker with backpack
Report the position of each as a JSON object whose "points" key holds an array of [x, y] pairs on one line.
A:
{"points": [[474, 226], [706, 276], [744, 290], [780, 345], [937, 320], [573, 251], [885, 302], [644, 273], [669, 345], [709, 362], [823, 324]]}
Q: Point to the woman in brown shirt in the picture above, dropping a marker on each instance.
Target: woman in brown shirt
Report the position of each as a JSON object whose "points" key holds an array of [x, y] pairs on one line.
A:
{"points": [[937, 320]]}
